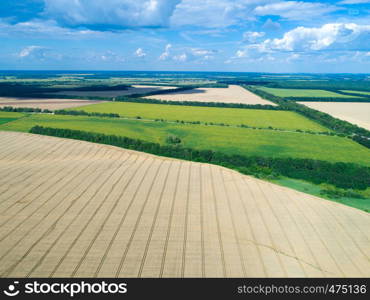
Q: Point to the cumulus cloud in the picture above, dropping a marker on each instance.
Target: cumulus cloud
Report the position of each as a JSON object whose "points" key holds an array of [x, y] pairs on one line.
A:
{"points": [[336, 35], [183, 54], [325, 43], [166, 52], [295, 10], [140, 52], [105, 14]]}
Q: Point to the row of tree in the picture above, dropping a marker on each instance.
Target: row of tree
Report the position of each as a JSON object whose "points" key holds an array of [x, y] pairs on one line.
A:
{"points": [[24, 109], [343, 175], [84, 113]]}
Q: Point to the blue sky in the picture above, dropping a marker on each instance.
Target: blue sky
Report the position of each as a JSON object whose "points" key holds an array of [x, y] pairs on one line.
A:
{"points": [[186, 35]]}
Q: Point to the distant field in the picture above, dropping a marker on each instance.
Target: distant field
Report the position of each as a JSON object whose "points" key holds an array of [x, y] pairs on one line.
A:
{"points": [[44, 103], [232, 94], [135, 89], [357, 92], [233, 116], [303, 93], [356, 113], [229, 140]]}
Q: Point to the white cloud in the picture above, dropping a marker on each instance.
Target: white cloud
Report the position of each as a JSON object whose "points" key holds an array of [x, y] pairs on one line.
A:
{"points": [[252, 36], [226, 13], [111, 13], [214, 13], [241, 53], [166, 52], [181, 57], [295, 10], [201, 55], [38, 53], [27, 51], [318, 38], [339, 41], [140, 52]]}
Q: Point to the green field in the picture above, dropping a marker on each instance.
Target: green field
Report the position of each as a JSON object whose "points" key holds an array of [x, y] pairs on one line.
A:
{"points": [[229, 140], [232, 116], [303, 93], [314, 189], [6, 117], [357, 92]]}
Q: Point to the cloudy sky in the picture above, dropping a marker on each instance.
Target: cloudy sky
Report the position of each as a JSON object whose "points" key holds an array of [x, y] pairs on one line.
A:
{"points": [[186, 35]]}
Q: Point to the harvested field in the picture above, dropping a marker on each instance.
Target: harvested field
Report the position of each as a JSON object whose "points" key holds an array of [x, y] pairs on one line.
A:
{"points": [[356, 113], [76, 209], [232, 94], [135, 89], [44, 103]]}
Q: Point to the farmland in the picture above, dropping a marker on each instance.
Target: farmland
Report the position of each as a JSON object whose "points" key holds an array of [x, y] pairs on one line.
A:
{"points": [[302, 93], [6, 117], [77, 209], [232, 116], [356, 113], [232, 94], [229, 140], [44, 103], [135, 89]]}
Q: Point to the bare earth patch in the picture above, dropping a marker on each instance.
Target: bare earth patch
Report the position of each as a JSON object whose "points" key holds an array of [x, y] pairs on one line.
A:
{"points": [[356, 113], [75, 209], [232, 94], [135, 89], [44, 103]]}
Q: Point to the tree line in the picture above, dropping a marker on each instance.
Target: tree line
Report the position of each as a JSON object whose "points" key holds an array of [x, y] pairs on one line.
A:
{"points": [[84, 113], [24, 109], [342, 175]]}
